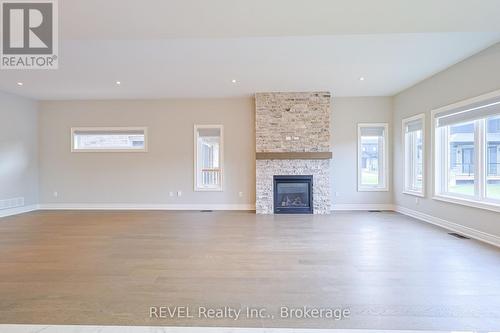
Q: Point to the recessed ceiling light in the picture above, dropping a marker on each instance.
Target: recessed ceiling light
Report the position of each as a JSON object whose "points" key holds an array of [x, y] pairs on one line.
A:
{"points": [[118, 83], [233, 81], [361, 78], [20, 83]]}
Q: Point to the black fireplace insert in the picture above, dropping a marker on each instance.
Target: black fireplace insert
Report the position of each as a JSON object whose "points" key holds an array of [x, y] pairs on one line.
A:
{"points": [[293, 194]]}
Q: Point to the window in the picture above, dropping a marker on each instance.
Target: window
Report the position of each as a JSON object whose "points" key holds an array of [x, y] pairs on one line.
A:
{"points": [[467, 152], [208, 145], [493, 158], [109, 139], [414, 154], [373, 172]]}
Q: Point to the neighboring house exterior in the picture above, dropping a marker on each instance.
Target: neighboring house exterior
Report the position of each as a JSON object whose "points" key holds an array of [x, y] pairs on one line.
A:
{"points": [[462, 152], [370, 154]]}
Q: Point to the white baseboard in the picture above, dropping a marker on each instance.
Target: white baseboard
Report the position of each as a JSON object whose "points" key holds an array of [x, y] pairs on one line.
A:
{"points": [[17, 210], [338, 207], [463, 230], [118, 206]]}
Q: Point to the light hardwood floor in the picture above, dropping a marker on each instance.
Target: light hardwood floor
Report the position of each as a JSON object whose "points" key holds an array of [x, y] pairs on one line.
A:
{"points": [[109, 268]]}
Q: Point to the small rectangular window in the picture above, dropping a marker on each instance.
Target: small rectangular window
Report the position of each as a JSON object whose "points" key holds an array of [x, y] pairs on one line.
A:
{"points": [[208, 145], [414, 154], [373, 171], [109, 139]]}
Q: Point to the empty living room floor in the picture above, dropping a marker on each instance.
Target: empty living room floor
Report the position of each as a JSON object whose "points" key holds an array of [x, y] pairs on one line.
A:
{"points": [[110, 268]]}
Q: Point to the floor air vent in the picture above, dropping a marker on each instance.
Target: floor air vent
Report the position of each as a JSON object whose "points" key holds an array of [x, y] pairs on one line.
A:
{"points": [[454, 234], [206, 211], [374, 211]]}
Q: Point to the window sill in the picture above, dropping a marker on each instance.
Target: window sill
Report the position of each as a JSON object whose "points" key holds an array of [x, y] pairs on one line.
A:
{"points": [[416, 194], [373, 189], [109, 150], [468, 202], [201, 189]]}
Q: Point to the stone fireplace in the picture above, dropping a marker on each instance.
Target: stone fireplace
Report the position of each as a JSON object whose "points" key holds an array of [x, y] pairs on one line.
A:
{"points": [[293, 139]]}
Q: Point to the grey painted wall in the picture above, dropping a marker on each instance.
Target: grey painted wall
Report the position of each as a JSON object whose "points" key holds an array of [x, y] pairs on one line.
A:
{"points": [[472, 77], [347, 113], [168, 166], [18, 148], [145, 178]]}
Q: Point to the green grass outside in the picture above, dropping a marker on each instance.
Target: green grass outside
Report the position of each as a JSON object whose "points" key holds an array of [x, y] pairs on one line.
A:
{"points": [[493, 190], [369, 178]]}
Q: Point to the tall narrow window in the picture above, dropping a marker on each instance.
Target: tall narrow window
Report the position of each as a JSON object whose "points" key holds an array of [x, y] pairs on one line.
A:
{"points": [[373, 172], [414, 154], [208, 157], [460, 145], [493, 158], [467, 151]]}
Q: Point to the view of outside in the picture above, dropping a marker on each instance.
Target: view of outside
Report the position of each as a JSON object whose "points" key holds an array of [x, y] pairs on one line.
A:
{"points": [[461, 174], [461, 168], [208, 164], [415, 159], [370, 161], [493, 156], [108, 141]]}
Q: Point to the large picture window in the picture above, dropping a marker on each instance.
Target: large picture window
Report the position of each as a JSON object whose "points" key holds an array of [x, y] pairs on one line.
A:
{"points": [[467, 152], [414, 155], [109, 139], [373, 172], [208, 140]]}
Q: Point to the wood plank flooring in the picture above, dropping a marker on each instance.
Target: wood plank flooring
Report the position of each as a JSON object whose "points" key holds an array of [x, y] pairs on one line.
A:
{"points": [[109, 268]]}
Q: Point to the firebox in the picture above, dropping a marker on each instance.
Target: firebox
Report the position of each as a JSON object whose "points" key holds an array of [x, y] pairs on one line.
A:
{"points": [[293, 194]]}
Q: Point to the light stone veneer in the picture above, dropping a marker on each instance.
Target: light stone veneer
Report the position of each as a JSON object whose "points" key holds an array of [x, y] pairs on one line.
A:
{"points": [[293, 122], [319, 169]]}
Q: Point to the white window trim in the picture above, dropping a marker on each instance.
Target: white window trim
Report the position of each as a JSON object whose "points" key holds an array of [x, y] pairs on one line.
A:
{"points": [[221, 150], [386, 185], [406, 190], [457, 199], [110, 129]]}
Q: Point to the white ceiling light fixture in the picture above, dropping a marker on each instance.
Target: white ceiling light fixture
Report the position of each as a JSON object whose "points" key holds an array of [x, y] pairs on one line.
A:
{"points": [[20, 84], [233, 81], [118, 83], [362, 78]]}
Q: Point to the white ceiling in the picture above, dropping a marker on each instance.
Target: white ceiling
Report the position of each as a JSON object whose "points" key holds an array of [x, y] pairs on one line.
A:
{"points": [[194, 48], [157, 19]]}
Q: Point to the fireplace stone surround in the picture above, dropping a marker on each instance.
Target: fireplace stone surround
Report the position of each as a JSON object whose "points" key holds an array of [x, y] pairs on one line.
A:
{"points": [[297, 123]]}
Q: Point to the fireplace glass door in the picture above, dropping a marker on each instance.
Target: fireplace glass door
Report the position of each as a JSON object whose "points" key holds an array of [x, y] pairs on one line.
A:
{"points": [[293, 194]]}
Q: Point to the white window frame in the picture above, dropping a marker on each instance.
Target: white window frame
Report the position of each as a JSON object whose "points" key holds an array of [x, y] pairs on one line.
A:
{"points": [[385, 186], [221, 158], [111, 130], [438, 180], [406, 188]]}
